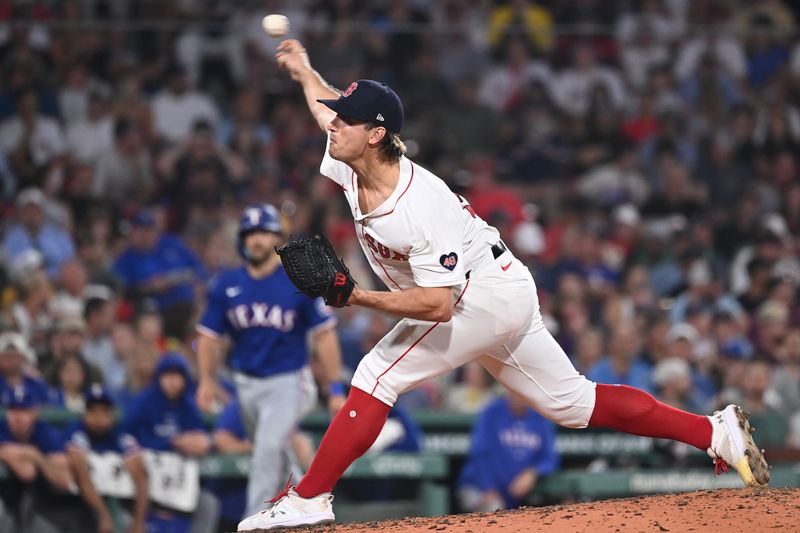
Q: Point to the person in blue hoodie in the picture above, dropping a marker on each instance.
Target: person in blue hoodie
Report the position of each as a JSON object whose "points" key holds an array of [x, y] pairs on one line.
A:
{"points": [[512, 447], [164, 417]]}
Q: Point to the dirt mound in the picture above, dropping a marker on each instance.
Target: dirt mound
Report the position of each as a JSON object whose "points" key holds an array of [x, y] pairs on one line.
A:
{"points": [[708, 511]]}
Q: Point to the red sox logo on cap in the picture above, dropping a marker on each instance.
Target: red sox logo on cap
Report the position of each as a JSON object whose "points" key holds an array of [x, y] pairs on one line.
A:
{"points": [[350, 89]]}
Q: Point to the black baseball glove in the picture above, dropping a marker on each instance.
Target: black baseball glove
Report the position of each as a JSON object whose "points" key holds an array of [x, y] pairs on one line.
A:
{"points": [[313, 267]]}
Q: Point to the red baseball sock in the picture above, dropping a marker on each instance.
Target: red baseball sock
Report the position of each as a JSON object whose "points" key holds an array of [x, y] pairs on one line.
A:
{"points": [[634, 411], [353, 430]]}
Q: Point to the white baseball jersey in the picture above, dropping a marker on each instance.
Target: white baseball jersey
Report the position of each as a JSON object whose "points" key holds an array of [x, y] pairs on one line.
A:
{"points": [[422, 235]]}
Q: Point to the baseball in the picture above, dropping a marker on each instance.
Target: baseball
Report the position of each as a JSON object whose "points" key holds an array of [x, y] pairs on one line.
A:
{"points": [[275, 25]]}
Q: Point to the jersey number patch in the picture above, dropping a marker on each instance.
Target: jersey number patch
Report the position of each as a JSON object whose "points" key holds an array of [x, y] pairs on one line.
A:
{"points": [[449, 261]]}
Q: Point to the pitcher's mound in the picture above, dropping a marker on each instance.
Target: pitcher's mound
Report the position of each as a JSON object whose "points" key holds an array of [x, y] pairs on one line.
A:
{"points": [[708, 511]]}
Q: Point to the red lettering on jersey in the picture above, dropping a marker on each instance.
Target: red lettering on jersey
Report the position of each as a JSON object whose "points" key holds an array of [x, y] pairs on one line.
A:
{"points": [[383, 250], [371, 242]]}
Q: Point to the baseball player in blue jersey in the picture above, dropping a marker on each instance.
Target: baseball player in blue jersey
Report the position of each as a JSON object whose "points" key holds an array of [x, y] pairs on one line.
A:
{"points": [[268, 322]]}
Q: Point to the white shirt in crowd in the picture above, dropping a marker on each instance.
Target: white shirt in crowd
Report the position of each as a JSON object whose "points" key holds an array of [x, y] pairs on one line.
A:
{"points": [[573, 88], [87, 141], [46, 142], [728, 52], [176, 114], [501, 84]]}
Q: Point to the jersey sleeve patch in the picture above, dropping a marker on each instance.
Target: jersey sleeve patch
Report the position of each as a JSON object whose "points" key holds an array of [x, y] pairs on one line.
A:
{"points": [[449, 261]]}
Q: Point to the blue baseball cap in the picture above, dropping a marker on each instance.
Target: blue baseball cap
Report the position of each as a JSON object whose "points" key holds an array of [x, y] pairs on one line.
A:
{"points": [[20, 397], [370, 101], [98, 394]]}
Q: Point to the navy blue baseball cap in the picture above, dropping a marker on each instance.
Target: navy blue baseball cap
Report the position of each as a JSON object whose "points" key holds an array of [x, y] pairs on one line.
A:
{"points": [[370, 101], [98, 394], [20, 397]]}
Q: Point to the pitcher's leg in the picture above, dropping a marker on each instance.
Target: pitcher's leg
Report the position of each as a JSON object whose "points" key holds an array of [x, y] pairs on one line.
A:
{"points": [[535, 366], [353, 430]]}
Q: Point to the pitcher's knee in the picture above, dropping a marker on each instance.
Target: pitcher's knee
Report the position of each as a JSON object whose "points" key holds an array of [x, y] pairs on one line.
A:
{"points": [[573, 408]]}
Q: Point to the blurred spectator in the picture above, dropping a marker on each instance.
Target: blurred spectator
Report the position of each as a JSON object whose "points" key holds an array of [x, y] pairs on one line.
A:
{"points": [[400, 434], [99, 347], [475, 390], [98, 433], [123, 172], [177, 108], [673, 382], [622, 364], [617, 182], [72, 281], [230, 437], [575, 84], [200, 172], [17, 366], [684, 342], [771, 429], [524, 17], [34, 232], [245, 131], [29, 314], [771, 326], [67, 339], [503, 87], [32, 141], [786, 382], [90, 136], [470, 125], [161, 267], [31, 450], [164, 417], [588, 350], [512, 447], [723, 50], [72, 381]]}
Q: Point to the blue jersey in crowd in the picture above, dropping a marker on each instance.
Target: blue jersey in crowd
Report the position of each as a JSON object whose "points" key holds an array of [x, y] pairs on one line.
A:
{"points": [[266, 318], [36, 387], [153, 419], [170, 258], [115, 441], [639, 374], [231, 493], [412, 436], [504, 444], [44, 438]]}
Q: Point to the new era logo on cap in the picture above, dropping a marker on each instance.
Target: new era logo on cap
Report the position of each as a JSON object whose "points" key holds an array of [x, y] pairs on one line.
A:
{"points": [[369, 101]]}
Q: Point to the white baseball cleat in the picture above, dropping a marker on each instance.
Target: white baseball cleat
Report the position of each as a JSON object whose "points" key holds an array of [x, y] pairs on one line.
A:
{"points": [[291, 510], [733, 445]]}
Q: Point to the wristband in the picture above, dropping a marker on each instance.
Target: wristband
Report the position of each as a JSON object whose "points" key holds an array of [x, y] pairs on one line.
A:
{"points": [[336, 388]]}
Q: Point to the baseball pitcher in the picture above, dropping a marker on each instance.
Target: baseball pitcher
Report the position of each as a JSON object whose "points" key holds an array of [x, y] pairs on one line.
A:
{"points": [[463, 296]]}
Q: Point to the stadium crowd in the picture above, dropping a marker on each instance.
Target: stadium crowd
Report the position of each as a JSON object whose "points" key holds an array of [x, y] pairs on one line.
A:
{"points": [[640, 156]]}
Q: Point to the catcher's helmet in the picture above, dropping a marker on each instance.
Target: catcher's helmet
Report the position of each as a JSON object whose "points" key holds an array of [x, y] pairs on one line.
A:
{"points": [[260, 217]]}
